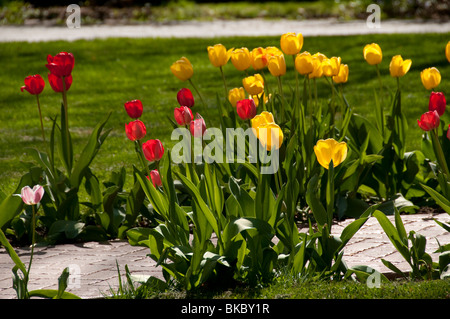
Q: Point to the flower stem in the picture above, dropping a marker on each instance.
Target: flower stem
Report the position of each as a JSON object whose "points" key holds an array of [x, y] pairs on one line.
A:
{"points": [[224, 82], [439, 153], [40, 117], [33, 240], [280, 90], [142, 157]]}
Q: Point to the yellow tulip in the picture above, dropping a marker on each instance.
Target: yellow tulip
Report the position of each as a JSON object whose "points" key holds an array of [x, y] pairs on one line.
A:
{"points": [[399, 67], [271, 51], [317, 67], [303, 63], [253, 84], [430, 77], [257, 98], [320, 56], [182, 69], [258, 58], [330, 150], [277, 65], [342, 76], [235, 95], [218, 55], [241, 59], [373, 54], [267, 131], [447, 51], [330, 67], [291, 43]]}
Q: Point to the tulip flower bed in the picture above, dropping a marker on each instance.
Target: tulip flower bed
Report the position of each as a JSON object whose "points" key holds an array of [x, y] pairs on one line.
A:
{"points": [[231, 216]]}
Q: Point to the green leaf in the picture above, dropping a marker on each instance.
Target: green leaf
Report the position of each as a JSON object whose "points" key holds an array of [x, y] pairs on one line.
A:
{"points": [[319, 212], [51, 294], [392, 267], [62, 283], [12, 253], [366, 273], [90, 150], [440, 200]]}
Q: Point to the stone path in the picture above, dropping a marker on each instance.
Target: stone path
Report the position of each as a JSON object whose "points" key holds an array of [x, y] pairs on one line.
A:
{"points": [[219, 28], [95, 263]]}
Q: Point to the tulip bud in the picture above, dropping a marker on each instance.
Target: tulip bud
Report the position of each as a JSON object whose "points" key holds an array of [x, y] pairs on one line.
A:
{"points": [[373, 54], [155, 178], [431, 77], [135, 130], [291, 43], [399, 67], [235, 95], [429, 121], [183, 115], [197, 126], [437, 102], [31, 196], [134, 108], [185, 97], [57, 84], [34, 84], [61, 64], [277, 65], [304, 63], [253, 84], [259, 58], [330, 150], [218, 55], [241, 59], [182, 69], [342, 76], [246, 109], [153, 150]]}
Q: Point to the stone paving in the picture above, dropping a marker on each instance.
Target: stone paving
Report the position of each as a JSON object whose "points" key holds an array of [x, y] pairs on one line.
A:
{"points": [[95, 263]]}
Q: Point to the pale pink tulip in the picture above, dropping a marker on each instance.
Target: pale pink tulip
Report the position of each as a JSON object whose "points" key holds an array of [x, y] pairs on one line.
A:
{"points": [[32, 196]]}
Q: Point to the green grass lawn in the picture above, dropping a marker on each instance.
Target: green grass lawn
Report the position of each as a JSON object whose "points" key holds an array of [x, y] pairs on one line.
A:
{"points": [[110, 72]]}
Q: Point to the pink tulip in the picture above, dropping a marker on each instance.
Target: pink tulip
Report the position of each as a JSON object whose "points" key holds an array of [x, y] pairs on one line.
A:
{"points": [[32, 196], [155, 178]]}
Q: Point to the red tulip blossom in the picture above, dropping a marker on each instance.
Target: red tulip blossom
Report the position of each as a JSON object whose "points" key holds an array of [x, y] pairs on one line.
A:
{"points": [[155, 178], [57, 84], [134, 109], [429, 121], [246, 109], [197, 126], [61, 64], [34, 84], [437, 102], [183, 115], [135, 130], [185, 97], [153, 150]]}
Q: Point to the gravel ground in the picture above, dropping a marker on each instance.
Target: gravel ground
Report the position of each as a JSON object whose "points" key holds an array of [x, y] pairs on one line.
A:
{"points": [[219, 28]]}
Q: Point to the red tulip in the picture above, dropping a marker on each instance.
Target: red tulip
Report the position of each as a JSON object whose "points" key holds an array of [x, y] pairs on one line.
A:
{"points": [[437, 102], [185, 97], [57, 84], [246, 109], [135, 130], [134, 109], [34, 84], [155, 178], [197, 126], [429, 120], [61, 64], [183, 115], [153, 150]]}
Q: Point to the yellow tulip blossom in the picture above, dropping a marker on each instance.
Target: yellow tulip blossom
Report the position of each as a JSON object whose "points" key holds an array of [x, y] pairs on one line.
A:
{"points": [[258, 58], [431, 77], [271, 51], [447, 51], [303, 63], [277, 65], [253, 84], [317, 67], [399, 67], [257, 98], [241, 59], [267, 131], [182, 69], [330, 67], [373, 54], [320, 56], [342, 76], [235, 95], [219, 55], [291, 43], [330, 150]]}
